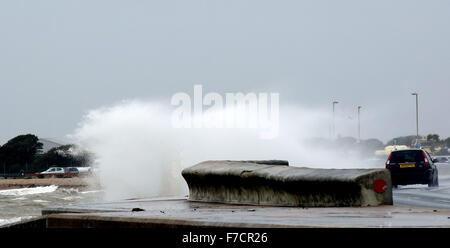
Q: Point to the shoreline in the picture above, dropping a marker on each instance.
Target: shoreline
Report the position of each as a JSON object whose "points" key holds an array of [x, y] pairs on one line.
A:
{"points": [[74, 182]]}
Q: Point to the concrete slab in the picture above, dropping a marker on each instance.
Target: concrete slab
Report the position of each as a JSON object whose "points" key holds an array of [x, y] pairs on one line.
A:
{"points": [[180, 212], [247, 182]]}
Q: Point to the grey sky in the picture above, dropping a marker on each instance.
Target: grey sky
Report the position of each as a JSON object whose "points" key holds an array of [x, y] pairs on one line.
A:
{"points": [[59, 59]]}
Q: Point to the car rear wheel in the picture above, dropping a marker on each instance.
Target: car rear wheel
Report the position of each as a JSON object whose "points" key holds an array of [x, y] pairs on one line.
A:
{"points": [[434, 182]]}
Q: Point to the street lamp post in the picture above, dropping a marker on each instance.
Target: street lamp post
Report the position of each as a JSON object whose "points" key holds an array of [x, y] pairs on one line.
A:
{"points": [[359, 124], [334, 125], [417, 115]]}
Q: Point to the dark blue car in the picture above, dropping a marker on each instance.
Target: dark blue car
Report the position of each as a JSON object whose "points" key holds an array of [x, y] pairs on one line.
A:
{"points": [[412, 166]]}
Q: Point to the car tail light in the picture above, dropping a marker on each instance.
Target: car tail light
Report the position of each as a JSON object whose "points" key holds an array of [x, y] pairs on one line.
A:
{"points": [[388, 162], [427, 163]]}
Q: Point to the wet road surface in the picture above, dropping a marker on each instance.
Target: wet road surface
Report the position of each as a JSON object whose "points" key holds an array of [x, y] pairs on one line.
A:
{"points": [[424, 196]]}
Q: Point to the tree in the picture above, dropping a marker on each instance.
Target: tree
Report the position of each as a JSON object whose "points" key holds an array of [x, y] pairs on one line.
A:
{"points": [[447, 142], [19, 152], [373, 144], [433, 138], [62, 156]]}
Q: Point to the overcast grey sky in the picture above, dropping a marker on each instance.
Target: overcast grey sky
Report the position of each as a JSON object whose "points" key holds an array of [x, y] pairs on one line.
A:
{"points": [[59, 59]]}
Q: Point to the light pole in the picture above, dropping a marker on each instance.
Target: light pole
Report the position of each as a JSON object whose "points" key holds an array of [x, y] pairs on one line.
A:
{"points": [[334, 125], [417, 115], [359, 124]]}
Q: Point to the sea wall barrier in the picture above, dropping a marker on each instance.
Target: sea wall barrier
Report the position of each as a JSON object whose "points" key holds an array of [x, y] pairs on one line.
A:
{"points": [[275, 183]]}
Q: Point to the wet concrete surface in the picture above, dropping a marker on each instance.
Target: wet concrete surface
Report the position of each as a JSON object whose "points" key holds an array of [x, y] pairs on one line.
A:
{"points": [[179, 212], [237, 182]]}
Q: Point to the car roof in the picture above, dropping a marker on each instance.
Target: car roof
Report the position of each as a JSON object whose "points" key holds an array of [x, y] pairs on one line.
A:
{"points": [[411, 149]]}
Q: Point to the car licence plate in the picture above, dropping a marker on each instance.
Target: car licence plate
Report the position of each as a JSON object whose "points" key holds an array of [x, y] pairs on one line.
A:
{"points": [[407, 165]]}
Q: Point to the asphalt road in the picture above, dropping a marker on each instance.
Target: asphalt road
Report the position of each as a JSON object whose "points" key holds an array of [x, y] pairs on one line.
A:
{"points": [[423, 196]]}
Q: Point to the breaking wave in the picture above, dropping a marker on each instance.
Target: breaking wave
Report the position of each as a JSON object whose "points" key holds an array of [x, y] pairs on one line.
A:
{"points": [[14, 220], [28, 191], [139, 153]]}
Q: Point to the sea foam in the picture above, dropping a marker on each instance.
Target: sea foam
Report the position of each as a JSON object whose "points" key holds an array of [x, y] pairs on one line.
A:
{"points": [[28, 191]]}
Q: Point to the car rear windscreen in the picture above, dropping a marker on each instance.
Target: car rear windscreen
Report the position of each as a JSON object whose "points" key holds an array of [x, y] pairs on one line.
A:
{"points": [[406, 156]]}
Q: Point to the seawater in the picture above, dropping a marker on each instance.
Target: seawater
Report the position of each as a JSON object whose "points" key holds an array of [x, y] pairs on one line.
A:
{"points": [[24, 203]]}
